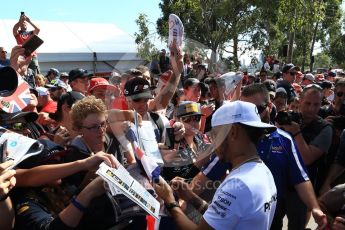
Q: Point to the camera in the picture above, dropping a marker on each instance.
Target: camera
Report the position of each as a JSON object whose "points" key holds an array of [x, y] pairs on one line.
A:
{"points": [[285, 118], [22, 13], [170, 138]]}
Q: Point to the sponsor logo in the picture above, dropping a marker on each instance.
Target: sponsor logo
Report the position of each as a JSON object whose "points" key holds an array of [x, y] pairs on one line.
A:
{"points": [[267, 205], [277, 149], [220, 206], [222, 214], [224, 201], [228, 194]]}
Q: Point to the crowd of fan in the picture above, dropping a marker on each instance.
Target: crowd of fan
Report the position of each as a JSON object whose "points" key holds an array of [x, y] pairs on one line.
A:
{"points": [[81, 120]]}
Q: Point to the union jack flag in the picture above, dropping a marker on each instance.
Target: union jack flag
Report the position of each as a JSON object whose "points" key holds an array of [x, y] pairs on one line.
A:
{"points": [[151, 168], [18, 100]]}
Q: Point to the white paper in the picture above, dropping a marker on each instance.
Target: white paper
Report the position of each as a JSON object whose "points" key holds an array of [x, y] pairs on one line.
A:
{"points": [[123, 181], [19, 147], [148, 139], [176, 30]]}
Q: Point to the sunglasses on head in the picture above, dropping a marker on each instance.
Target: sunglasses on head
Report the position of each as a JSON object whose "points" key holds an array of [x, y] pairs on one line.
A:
{"points": [[189, 119], [262, 107]]}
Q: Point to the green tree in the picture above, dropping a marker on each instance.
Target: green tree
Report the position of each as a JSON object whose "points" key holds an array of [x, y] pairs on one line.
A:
{"points": [[146, 49], [218, 24], [322, 60]]}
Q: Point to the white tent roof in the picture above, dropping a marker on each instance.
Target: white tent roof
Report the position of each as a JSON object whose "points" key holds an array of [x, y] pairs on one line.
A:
{"points": [[72, 41]]}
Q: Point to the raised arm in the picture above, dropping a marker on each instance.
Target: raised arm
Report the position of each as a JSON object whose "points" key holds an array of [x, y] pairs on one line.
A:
{"points": [[17, 25], [162, 99], [36, 28]]}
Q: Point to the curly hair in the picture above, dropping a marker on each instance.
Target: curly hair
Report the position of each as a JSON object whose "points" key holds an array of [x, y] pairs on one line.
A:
{"points": [[83, 108]]}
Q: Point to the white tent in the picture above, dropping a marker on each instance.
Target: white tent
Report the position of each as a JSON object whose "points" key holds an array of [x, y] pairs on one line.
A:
{"points": [[95, 47]]}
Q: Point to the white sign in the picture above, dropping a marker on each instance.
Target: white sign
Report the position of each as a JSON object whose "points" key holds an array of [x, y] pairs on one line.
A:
{"points": [[123, 181]]}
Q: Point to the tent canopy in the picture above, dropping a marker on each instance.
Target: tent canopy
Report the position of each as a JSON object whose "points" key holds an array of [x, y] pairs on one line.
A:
{"points": [[81, 43]]}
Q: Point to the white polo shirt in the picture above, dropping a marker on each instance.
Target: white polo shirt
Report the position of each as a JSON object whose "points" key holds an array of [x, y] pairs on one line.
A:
{"points": [[246, 199]]}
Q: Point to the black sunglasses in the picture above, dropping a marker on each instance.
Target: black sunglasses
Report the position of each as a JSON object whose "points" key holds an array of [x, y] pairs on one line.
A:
{"points": [[188, 119], [292, 73]]}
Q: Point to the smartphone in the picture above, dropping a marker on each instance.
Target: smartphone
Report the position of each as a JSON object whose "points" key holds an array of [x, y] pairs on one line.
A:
{"points": [[32, 44], [170, 138]]}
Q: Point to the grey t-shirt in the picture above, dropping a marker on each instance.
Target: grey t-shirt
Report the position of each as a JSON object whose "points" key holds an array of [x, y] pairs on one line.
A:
{"points": [[324, 139]]}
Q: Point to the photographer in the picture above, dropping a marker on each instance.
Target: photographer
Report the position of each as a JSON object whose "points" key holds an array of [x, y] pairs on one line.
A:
{"points": [[21, 34], [335, 108], [313, 136]]}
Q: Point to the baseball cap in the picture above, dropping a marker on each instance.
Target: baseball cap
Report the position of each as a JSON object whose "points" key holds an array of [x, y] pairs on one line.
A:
{"points": [[8, 81], [100, 83], [64, 75], [138, 88], [240, 112], [56, 83], [190, 82], [310, 77], [54, 71], [332, 73], [18, 117], [42, 91], [68, 98], [326, 85], [288, 67], [188, 108], [281, 90], [78, 73]]}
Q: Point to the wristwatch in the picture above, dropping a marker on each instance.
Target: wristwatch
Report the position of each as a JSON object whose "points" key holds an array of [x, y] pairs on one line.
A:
{"points": [[170, 206]]}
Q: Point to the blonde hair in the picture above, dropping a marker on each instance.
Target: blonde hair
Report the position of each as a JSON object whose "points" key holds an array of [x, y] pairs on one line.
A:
{"points": [[83, 108], [40, 80]]}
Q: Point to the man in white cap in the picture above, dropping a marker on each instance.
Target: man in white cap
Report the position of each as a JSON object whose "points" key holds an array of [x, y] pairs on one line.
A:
{"points": [[242, 201]]}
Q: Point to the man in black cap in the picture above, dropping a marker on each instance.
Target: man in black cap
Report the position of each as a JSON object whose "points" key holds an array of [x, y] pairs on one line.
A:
{"points": [[138, 93], [52, 74], [79, 80], [289, 76]]}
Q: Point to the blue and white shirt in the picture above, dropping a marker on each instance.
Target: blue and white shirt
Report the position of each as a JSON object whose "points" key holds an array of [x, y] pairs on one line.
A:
{"points": [[279, 152]]}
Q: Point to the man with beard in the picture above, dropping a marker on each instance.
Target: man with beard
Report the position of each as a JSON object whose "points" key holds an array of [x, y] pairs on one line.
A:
{"points": [[241, 201]]}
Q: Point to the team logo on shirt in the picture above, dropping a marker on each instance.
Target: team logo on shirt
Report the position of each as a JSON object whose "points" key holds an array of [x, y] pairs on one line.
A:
{"points": [[267, 205], [277, 149]]}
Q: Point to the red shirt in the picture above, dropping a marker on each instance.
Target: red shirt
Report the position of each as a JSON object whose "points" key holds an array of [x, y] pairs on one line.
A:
{"points": [[50, 107], [21, 37]]}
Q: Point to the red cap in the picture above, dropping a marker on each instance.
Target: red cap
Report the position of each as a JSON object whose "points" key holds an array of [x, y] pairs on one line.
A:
{"points": [[99, 82]]}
